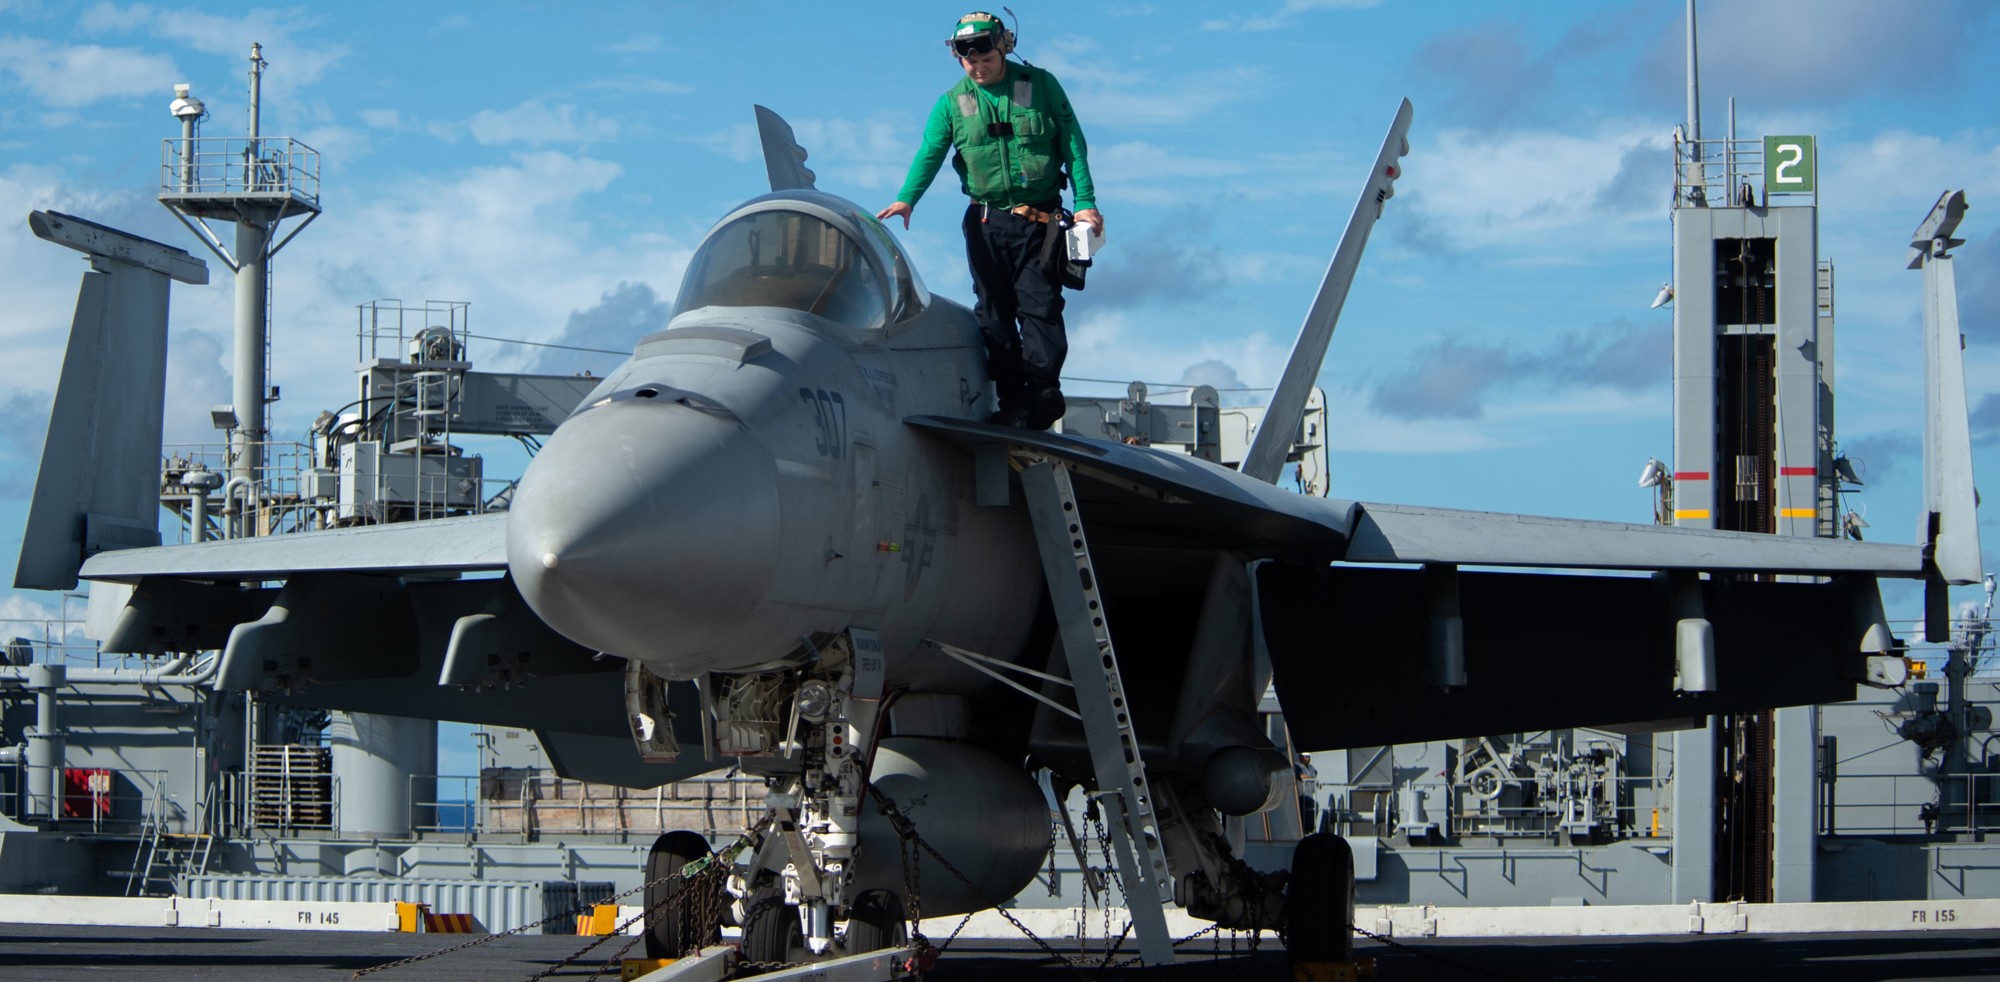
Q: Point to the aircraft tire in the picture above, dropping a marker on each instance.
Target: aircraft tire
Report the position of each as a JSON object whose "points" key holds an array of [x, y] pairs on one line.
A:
{"points": [[876, 921], [771, 934], [1319, 900], [676, 925]]}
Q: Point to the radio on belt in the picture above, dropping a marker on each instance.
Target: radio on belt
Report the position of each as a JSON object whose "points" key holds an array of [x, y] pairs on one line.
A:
{"points": [[1084, 242]]}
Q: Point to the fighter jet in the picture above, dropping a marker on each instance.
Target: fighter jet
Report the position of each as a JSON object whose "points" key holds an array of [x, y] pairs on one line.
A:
{"points": [[804, 552]]}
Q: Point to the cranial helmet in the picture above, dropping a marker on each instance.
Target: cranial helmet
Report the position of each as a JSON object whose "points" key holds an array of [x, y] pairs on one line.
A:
{"points": [[978, 23]]}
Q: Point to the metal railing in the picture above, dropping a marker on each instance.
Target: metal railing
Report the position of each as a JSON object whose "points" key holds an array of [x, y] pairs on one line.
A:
{"points": [[387, 327], [222, 166], [1913, 805], [274, 503], [135, 800], [506, 801], [1722, 172], [286, 789], [1372, 810], [58, 640]]}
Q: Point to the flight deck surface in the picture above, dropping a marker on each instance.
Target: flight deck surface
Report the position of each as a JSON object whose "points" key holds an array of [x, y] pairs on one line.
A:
{"points": [[45, 952]]}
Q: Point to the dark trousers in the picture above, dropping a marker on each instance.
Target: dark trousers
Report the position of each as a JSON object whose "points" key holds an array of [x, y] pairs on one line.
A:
{"points": [[1005, 253]]}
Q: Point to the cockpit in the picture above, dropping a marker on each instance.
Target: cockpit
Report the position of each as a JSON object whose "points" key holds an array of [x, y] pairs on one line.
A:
{"points": [[806, 251]]}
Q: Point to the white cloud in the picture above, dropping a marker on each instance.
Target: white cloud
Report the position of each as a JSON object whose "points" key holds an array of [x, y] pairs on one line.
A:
{"points": [[382, 119], [1106, 88], [635, 44], [1148, 173], [23, 615], [42, 280], [1833, 49], [1119, 346], [639, 84], [1511, 192], [1286, 14], [66, 75], [293, 62], [872, 154], [197, 380], [524, 241], [537, 124]]}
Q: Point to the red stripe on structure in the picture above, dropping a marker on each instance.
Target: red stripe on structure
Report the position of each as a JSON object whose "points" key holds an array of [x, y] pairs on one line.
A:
{"points": [[1690, 475], [1798, 472]]}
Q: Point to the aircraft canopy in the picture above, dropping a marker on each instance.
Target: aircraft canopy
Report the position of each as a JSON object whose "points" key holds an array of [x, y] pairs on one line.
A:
{"points": [[796, 252]]}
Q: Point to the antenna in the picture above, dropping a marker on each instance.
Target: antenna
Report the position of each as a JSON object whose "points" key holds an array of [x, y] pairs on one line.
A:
{"points": [[1697, 181], [255, 183]]}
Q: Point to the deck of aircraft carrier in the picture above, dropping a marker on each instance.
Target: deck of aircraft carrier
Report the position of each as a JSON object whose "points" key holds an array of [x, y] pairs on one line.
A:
{"points": [[44, 952], [250, 792]]}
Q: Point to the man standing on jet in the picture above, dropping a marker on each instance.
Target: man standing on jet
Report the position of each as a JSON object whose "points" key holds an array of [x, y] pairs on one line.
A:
{"points": [[1015, 133]]}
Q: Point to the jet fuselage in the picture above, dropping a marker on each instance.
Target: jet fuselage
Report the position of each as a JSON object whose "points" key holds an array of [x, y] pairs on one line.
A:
{"points": [[745, 481]]}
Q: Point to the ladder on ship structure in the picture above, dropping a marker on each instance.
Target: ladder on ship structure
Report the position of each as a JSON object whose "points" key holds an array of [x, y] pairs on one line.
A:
{"points": [[164, 860]]}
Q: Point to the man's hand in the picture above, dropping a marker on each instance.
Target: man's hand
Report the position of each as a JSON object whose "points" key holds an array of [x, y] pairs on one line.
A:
{"points": [[1092, 218], [900, 208]]}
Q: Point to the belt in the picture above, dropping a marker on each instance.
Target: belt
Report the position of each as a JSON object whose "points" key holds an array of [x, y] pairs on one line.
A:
{"points": [[1031, 213]]}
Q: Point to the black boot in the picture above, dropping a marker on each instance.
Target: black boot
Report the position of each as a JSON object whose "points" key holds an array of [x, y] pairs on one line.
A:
{"points": [[1014, 406], [1048, 407]]}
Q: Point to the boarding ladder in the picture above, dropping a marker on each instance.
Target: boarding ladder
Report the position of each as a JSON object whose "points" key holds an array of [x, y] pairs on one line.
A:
{"points": [[1100, 700]]}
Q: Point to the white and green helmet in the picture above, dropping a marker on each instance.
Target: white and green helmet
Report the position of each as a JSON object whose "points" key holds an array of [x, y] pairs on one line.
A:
{"points": [[980, 25]]}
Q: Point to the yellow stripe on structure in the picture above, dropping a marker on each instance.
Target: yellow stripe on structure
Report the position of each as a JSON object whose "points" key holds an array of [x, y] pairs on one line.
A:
{"points": [[450, 924], [409, 917], [1690, 513], [1798, 513]]}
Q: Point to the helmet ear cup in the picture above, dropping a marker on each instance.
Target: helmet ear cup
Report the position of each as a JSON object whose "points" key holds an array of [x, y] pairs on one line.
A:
{"points": [[1006, 41]]}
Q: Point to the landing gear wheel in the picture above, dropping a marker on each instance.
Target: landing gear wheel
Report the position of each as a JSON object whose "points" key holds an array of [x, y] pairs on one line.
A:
{"points": [[876, 921], [771, 934], [1319, 900], [680, 918]]}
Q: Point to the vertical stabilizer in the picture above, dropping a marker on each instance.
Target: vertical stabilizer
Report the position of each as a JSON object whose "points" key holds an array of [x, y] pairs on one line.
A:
{"points": [[1951, 526], [99, 484], [1266, 457], [784, 159]]}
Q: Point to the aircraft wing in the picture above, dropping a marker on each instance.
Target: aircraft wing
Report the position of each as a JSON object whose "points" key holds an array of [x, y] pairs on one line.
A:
{"points": [[1386, 533], [446, 545], [1164, 499], [1513, 622], [1149, 498]]}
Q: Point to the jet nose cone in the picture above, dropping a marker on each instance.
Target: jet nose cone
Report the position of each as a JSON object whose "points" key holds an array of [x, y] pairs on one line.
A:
{"points": [[648, 530]]}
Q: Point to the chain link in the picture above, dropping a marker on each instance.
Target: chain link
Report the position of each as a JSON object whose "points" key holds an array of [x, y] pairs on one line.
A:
{"points": [[716, 868], [1440, 959], [762, 908], [913, 847], [490, 937], [701, 880]]}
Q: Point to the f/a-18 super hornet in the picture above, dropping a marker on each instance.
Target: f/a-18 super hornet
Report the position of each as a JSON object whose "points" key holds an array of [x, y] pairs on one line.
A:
{"points": [[786, 521]]}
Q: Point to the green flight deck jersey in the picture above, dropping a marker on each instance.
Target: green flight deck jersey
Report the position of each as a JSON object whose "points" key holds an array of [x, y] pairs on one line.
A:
{"points": [[1013, 139]]}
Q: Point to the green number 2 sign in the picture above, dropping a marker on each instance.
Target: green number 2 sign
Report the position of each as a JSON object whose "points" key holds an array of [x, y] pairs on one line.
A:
{"points": [[1790, 164]]}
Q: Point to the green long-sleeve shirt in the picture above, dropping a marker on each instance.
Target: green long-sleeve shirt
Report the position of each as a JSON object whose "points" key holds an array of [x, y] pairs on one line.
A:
{"points": [[1063, 143]]}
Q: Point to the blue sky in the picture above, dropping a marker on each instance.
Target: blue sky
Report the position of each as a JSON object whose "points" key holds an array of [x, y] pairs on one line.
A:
{"points": [[554, 164]]}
